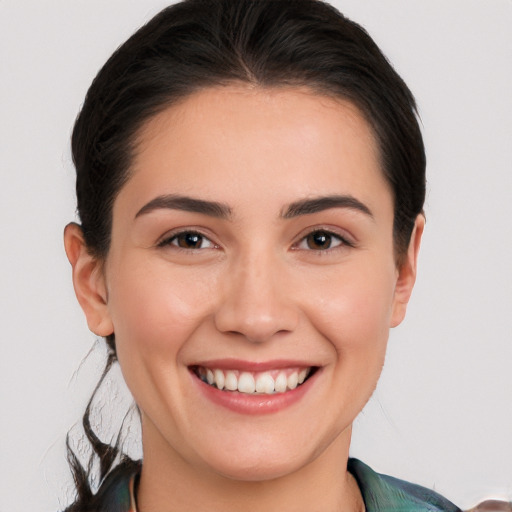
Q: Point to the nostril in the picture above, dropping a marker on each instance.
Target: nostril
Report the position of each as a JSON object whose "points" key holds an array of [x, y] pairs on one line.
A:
{"points": [[253, 325]]}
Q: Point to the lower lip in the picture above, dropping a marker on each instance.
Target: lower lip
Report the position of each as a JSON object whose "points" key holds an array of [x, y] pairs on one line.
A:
{"points": [[245, 403]]}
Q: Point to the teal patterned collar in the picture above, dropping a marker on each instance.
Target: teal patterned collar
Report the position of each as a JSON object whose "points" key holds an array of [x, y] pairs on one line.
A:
{"points": [[381, 493]]}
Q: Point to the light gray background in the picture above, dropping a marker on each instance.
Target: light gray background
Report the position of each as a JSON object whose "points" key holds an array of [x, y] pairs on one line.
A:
{"points": [[442, 415]]}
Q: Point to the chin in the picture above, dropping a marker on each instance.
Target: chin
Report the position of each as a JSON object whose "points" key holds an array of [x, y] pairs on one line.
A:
{"points": [[256, 471], [262, 459]]}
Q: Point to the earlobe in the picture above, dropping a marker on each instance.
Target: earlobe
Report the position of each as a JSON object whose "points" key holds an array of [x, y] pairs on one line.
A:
{"points": [[88, 281], [407, 274]]}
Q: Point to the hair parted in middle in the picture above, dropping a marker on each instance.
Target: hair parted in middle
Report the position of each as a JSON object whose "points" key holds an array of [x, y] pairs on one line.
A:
{"points": [[198, 44]]}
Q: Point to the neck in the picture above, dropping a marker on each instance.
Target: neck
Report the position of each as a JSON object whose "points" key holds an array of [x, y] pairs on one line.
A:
{"points": [[169, 483]]}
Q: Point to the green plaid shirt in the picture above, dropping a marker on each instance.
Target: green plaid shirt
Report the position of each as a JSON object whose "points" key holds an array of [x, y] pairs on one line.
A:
{"points": [[381, 493]]}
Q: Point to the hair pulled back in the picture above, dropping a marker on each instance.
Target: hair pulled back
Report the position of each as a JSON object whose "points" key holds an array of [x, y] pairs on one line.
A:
{"points": [[268, 43], [197, 44]]}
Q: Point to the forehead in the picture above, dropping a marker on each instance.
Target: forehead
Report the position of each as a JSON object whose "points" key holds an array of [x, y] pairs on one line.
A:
{"points": [[249, 137], [239, 107]]}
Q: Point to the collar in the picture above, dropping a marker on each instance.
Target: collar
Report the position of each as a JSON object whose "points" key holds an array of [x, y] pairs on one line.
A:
{"points": [[381, 493]]}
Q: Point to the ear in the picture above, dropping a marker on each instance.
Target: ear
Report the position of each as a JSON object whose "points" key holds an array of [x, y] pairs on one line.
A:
{"points": [[407, 273], [88, 281]]}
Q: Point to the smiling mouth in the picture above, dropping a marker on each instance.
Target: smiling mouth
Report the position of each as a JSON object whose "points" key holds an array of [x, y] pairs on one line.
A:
{"points": [[254, 383]]}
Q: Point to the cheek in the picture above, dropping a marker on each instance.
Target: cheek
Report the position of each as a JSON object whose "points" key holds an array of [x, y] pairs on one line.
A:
{"points": [[155, 312], [360, 338], [354, 308], [353, 315], [156, 308]]}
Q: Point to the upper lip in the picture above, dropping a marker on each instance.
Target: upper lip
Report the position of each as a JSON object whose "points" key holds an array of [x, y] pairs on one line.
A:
{"points": [[253, 366]]}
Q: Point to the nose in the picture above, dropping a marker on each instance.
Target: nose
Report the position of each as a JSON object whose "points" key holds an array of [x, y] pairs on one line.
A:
{"points": [[257, 302]]}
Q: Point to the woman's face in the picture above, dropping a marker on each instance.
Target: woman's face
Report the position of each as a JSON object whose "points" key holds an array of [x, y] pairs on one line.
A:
{"points": [[252, 249]]}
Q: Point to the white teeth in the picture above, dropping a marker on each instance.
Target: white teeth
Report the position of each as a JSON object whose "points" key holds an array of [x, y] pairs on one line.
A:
{"points": [[293, 380], [269, 382], [281, 383], [246, 383], [219, 378], [231, 382], [265, 383]]}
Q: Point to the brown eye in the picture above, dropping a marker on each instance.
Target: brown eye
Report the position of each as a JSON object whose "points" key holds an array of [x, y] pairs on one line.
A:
{"points": [[189, 240], [321, 240]]}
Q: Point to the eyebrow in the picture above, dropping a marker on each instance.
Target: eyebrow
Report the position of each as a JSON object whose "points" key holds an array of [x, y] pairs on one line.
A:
{"points": [[188, 204], [318, 204], [223, 211]]}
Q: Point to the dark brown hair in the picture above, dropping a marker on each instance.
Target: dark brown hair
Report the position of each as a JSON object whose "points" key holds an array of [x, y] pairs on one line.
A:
{"points": [[197, 44]]}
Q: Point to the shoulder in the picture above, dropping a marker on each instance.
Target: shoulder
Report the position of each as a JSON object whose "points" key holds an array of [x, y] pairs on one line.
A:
{"points": [[383, 493], [116, 492]]}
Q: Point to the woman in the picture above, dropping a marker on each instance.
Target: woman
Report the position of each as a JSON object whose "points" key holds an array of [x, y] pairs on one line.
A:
{"points": [[250, 184]]}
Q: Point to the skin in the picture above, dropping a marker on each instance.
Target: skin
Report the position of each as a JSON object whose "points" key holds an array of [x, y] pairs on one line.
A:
{"points": [[256, 288]]}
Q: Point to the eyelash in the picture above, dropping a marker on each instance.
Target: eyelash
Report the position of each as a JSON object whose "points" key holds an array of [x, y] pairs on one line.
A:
{"points": [[332, 237], [189, 232], [339, 240]]}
